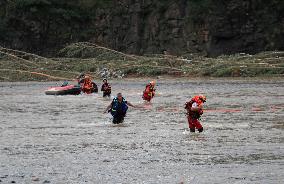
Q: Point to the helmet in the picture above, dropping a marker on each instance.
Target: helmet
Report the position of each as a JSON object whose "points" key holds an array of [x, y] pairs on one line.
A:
{"points": [[202, 98], [82, 75], [153, 83]]}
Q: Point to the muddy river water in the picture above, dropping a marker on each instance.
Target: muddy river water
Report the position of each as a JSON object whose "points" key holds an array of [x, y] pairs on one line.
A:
{"points": [[67, 139]]}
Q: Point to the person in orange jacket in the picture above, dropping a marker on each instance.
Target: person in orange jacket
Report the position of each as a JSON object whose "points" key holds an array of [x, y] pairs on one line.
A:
{"points": [[194, 111], [149, 91], [88, 86]]}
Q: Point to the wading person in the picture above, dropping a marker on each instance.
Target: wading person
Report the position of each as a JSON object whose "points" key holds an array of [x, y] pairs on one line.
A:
{"points": [[149, 91], [87, 85], [106, 88], [118, 108], [194, 111]]}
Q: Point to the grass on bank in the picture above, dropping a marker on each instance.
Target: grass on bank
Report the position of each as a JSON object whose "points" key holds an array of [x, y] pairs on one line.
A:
{"points": [[90, 58]]}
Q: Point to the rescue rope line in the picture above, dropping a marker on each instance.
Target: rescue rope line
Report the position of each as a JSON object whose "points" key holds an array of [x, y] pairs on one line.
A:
{"points": [[18, 58], [3, 49], [88, 44], [164, 67], [36, 73]]}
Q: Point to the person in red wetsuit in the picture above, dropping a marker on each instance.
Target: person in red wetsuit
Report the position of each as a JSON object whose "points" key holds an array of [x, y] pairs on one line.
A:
{"points": [[194, 111], [88, 86], [149, 91], [106, 88]]}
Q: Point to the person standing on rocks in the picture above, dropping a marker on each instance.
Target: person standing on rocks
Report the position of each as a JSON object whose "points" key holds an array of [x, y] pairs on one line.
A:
{"points": [[118, 109]]}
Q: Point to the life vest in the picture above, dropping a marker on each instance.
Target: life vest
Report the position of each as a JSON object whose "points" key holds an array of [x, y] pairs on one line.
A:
{"points": [[115, 105], [149, 92], [188, 105], [106, 88], [88, 83], [87, 86]]}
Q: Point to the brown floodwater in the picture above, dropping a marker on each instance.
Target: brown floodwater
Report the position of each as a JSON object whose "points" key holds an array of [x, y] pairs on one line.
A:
{"points": [[67, 139]]}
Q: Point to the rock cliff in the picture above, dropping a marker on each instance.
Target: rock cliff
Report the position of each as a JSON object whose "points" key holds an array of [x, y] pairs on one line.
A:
{"points": [[144, 26]]}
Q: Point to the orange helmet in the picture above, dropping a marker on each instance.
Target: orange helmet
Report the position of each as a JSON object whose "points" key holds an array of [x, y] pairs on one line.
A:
{"points": [[153, 83], [199, 99], [202, 98]]}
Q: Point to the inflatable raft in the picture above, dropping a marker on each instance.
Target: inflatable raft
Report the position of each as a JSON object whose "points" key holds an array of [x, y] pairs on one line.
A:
{"points": [[64, 90]]}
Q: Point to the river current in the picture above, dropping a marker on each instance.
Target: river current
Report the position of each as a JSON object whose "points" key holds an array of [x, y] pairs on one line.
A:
{"points": [[68, 139]]}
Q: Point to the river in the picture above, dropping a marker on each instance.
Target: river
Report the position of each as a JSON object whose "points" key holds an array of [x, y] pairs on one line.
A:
{"points": [[68, 139]]}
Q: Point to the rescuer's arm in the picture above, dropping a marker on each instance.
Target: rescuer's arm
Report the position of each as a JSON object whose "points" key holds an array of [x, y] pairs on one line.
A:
{"points": [[131, 105], [108, 108]]}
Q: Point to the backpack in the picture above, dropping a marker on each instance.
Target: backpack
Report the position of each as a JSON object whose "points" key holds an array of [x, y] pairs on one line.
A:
{"points": [[193, 114]]}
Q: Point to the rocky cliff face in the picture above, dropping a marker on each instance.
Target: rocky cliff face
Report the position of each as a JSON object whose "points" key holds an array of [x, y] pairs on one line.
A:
{"points": [[149, 26], [246, 26], [156, 26]]}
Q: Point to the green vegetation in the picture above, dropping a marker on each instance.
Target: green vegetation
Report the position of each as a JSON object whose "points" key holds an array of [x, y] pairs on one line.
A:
{"points": [[93, 59]]}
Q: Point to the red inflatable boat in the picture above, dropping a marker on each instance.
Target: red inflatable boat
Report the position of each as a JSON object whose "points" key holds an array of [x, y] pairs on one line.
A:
{"points": [[64, 90]]}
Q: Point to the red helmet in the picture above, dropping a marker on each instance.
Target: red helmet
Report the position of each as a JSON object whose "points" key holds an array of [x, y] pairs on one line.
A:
{"points": [[199, 99], [202, 98]]}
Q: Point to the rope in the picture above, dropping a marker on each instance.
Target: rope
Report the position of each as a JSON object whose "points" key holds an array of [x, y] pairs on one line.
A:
{"points": [[37, 73]]}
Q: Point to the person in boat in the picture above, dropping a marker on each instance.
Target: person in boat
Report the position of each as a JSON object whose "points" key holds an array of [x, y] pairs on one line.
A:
{"points": [[118, 108], [65, 83], [194, 111], [106, 88], [149, 91]]}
